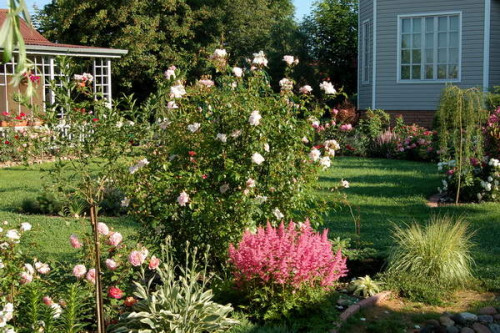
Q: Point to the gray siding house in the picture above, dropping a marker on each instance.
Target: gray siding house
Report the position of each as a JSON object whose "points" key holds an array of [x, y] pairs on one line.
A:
{"points": [[409, 50]]}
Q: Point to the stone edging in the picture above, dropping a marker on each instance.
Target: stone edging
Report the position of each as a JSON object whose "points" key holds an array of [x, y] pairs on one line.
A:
{"points": [[367, 302]]}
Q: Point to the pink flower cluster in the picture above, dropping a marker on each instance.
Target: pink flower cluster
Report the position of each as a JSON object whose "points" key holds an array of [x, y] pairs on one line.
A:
{"points": [[295, 255]]}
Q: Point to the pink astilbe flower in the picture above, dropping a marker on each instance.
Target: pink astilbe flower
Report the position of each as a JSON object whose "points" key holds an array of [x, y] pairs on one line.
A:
{"points": [[294, 256]]}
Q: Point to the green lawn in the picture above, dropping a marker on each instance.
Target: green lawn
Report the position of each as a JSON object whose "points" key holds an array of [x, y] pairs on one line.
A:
{"points": [[51, 233], [385, 191], [391, 191]]}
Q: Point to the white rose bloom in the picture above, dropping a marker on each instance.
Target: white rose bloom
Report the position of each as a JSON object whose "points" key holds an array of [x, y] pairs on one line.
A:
{"points": [[254, 118], [220, 53], [25, 226], [328, 88], [42, 268], [259, 59], [250, 182], [490, 179], [286, 84], [261, 199], [29, 269], [305, 89], [257, 158], [119, 124], [172, 105], [237, 71], [183, 199], [266, 147], [479, 196], [194, 127], [222, 137], [288, 59], [332, 144], [314, 155], [177, 91], [345, 183], [279, 215], [305, 140], [170, 74], [325, 162], [13, 235]]}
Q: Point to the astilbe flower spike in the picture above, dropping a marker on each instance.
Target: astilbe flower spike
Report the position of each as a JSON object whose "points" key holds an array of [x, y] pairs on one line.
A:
{"points": [[295, 256]]}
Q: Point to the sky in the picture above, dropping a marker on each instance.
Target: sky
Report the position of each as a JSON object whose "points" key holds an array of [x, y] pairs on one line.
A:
{"points": [[302, 7]]}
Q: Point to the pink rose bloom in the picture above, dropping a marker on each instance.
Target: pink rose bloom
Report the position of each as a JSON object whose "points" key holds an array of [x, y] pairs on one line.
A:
{"points": [[346, 127], [154, 263], [47, 301], [26, 277], [91, 275], [183, 199], [207, 83], [305, 89], [136, 258], [111, 264], [79, 271], [42, 268], [75, 243], [102, 228], [115, 239]]}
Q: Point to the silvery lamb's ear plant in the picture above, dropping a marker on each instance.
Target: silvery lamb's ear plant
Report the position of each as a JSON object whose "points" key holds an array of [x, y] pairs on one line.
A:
{"points": [[178, 303]]}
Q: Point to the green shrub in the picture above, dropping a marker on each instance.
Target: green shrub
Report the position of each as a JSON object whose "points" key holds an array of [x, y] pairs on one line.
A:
{"points": [[438, 252], [226, 154], [364, 286], [180, 303]]}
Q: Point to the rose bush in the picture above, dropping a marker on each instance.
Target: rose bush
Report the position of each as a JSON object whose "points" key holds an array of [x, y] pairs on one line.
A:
{"points": [[224, 157]]}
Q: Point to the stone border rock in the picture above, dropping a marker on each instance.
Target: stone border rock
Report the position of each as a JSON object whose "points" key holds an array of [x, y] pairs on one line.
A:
{"points": [[353, 309]]}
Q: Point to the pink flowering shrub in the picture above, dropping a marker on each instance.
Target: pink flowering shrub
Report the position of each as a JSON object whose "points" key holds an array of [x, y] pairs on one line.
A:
{"points": [[294, 256], [283, 266]]}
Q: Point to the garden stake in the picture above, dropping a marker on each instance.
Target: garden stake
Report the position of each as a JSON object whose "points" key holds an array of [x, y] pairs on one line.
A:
{"points": [[98, 291]]}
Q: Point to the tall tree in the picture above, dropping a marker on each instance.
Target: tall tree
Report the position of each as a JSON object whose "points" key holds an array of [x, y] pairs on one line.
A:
{"points": [[329, 35], [161, 33]]}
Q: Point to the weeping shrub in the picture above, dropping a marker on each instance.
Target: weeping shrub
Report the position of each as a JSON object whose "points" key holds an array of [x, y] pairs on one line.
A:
{"points": [[459, 121], [438, 252]]}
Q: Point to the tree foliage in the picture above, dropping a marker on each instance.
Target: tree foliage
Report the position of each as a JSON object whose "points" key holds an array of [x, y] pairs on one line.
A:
{"points": [[329, 35], [161, 33]]}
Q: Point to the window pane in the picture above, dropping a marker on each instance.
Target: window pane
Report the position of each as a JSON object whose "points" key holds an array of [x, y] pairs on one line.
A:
{"points": [[453, 53], [429, 72], [416, 56], [453, 71], [405, 72], [454, 23], [443, 23], [405, 56], [417, 41], [429, 24], [442, 56], [406, 25], [441, 72], [442, 39], [415, 72], [429, 41], [417, 23], [405, 41], [429, 56], [453, 39]]}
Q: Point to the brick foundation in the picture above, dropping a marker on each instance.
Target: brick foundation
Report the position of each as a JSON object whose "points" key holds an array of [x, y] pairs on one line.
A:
{"points": [[423, 118]]}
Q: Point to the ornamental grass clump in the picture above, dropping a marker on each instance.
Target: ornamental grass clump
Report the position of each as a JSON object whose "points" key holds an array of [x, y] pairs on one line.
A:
{"points": [[438, 252], [279, 269]]}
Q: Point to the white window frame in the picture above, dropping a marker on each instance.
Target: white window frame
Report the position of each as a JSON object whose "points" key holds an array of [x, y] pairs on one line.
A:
{"points": [[366, 51], [424, 15]]}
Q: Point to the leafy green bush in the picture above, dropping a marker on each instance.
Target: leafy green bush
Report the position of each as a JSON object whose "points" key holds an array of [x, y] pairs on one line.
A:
{"points": [[225, 154], [438, 252], [180, 303]]}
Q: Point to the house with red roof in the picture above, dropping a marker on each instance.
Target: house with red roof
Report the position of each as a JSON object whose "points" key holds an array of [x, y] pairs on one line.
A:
{"points": [[43, 54]]}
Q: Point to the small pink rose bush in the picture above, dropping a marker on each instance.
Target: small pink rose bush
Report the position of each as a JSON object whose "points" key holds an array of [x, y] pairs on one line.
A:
{"points": [[43, 292], [276, 266]]}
